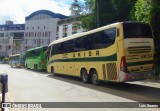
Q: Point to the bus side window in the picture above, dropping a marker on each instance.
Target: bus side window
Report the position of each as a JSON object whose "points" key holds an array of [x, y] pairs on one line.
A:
{"points": [[69, 46], [53, 51]]}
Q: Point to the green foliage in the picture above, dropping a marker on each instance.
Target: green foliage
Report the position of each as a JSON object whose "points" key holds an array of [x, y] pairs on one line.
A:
{"points": [[76, 7], [123, 9], [144, 10], [88, 22], [5, 60], [148, 11], [109, 11]]}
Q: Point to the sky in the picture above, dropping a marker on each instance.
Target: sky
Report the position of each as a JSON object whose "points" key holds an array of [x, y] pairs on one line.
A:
{"points": [[17, 10]]}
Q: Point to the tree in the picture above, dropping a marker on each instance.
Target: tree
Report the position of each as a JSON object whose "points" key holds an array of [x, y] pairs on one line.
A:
{"points": [[17, 45], [143, 10], [148, 11], [88, 20], [75, 8], [109, 11], [123, 9]]}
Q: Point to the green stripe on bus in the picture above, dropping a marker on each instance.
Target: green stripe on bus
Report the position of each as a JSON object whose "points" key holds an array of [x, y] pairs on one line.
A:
{"points": [[139, 63], [87, 59]]}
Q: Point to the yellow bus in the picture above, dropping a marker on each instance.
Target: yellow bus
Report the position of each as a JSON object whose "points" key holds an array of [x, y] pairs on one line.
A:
{"points": [[118, 52]]}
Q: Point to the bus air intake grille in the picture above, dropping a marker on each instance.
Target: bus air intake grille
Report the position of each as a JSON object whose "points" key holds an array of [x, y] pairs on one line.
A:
{"points": [[112, 71], [140, 49]]}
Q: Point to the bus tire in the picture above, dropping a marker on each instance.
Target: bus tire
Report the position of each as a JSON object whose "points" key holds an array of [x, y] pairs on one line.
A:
{"points": [[26, 66], [94, 77], [52, 71], [84, 76], [36, 67]]}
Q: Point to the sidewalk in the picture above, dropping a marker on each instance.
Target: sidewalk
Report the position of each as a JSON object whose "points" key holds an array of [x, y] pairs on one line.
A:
{"points": [[153, 80]]}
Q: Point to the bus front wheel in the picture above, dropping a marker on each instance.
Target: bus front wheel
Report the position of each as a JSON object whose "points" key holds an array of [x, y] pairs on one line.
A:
{"points": [[52, 71], [94, 77], [84, 76]]}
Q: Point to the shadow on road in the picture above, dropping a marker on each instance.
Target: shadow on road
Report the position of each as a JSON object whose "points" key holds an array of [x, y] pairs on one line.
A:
{"points": [[126, 90]]}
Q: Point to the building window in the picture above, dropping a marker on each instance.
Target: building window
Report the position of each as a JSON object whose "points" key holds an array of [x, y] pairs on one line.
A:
{"points": [[26, 34], [29, 34], [46, 34], [39, 34], [1, 34], [6, 34], [26, 41], [32, 34], [43, 34], [42, 42]]}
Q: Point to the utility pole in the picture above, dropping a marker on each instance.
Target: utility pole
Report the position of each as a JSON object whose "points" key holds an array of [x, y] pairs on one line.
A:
{"points": [[97, 4]]}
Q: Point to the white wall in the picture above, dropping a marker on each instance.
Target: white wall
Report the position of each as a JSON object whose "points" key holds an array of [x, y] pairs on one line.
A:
{"points": [[43, 26]]}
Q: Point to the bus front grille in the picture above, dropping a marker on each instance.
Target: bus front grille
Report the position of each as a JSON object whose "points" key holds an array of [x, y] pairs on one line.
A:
{"points": [[112, 71], [139, 49]]}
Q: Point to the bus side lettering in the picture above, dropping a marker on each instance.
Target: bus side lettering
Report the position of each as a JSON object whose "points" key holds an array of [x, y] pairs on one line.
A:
{"points": [[146, 56], [97, 53], [79, 55], [73, 54], [90, 53]]}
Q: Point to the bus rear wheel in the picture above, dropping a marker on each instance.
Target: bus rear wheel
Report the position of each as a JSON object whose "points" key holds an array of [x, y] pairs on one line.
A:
{"points": [[36, 67], [94, 77], [85, 77], [26, 66]]}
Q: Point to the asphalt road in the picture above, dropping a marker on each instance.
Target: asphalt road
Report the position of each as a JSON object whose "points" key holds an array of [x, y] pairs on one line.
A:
{"points": [[29, 86]]}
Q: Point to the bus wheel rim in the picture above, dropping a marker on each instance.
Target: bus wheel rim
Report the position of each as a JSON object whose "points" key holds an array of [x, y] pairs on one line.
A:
{"points": [[84, 77], [94, 78]]}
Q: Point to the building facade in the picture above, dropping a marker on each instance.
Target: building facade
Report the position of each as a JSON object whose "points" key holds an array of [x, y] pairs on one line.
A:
{"points": [[40, 28], [11, 38], [69, 26]]}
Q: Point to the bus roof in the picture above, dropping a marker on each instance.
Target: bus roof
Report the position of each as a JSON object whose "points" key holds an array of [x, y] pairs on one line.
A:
{"points": [[36, 48], [84, 33]]}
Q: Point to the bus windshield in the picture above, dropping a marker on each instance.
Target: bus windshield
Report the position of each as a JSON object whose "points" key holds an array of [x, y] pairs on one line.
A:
{"points": [[137, 30]]}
